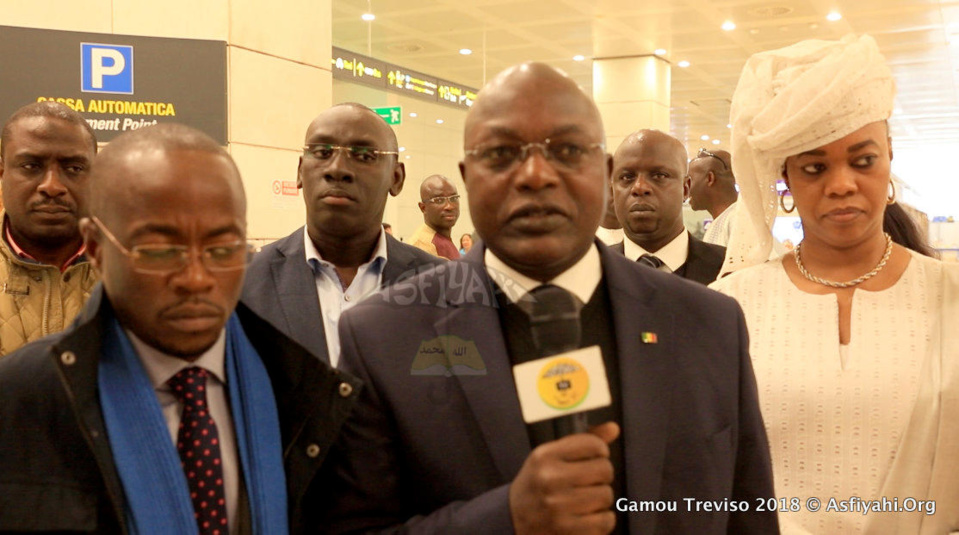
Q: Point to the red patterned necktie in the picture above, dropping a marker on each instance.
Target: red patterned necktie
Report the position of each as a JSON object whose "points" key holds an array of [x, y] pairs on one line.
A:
{"points": [[198, 444]]}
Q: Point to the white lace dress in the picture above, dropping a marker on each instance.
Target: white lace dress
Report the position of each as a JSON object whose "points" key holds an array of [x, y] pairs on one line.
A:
{"points": [[837, 415]]}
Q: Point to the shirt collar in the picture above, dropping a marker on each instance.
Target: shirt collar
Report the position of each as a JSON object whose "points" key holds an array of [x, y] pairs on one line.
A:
{"points": [[315, 259], [160, 367], [673, 254], [580, 280], [17, 250]]}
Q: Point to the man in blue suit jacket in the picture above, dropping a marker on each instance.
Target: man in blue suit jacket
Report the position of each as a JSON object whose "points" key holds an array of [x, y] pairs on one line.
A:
{"points": [[303, 282], [439, 445]]}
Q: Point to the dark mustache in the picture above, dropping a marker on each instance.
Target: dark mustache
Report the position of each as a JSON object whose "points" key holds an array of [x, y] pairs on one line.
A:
{"points": [[54, 201]]}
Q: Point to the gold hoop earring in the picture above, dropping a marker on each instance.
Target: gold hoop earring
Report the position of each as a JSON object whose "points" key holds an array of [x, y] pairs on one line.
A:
{"points": [[782, 204], [892, 196]]}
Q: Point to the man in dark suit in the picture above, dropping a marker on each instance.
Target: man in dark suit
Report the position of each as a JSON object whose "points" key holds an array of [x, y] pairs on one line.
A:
{"points": [[160, 410], [650, 183], [303, 282], [438, 444]]}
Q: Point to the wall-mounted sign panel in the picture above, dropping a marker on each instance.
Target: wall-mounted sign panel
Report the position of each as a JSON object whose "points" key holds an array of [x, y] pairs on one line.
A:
{"points": [[369, 71], [116, 82]]}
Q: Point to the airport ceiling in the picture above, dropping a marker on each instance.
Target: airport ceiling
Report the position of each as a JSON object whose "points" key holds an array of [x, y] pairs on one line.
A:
{"points": [[920, 39]]}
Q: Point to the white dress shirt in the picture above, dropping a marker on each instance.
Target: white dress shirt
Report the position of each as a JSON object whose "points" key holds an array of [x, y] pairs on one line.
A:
{"points": [[580, 280], [334, 299], [610, 236], [673, 254], [160, 367], [721, 227]]}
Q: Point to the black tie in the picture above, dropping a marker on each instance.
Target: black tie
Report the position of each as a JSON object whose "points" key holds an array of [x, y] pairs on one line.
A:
{"points": [[650, 261], [554, 322]]}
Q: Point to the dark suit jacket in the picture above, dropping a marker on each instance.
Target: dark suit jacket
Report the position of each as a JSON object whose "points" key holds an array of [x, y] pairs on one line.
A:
{"points": [[702, 263], [57, 472], [438, 452], [281, 287]]}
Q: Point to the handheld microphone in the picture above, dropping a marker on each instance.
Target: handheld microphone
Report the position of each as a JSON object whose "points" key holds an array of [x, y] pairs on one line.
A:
{"points": [[566, 381]]}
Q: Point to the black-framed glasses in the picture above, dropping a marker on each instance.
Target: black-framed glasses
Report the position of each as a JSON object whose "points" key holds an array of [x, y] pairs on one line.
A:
{"points": [[163, 259], [440, 201], [325, 151], [703, 153], [566, 154]]}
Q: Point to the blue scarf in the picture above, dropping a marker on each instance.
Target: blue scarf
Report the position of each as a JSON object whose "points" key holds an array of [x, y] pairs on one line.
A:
{"points": [[157, 494]]}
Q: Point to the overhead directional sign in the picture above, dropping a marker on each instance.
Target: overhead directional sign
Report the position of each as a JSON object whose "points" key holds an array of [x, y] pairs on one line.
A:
{"points": [[392, 115], [369, 71]]}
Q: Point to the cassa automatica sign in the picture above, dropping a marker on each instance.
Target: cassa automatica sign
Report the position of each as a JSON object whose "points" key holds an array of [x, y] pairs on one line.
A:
{"points": [[117, 82]]}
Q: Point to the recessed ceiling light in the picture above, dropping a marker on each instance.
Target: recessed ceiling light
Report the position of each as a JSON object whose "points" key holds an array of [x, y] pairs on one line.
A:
{"points": [[465, 51], [413, 114], [402, 149], [439, 121], [368, 17], [704, 137], [715, 142], [660, 51], [683, 64], [833, 16], [579, 57], [729, 125], [407, 156], [729, 26]]}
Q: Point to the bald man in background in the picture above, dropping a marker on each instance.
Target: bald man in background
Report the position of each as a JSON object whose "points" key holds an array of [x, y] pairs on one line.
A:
{"points": [[649, 186], [712, 187], [440, 204], [303, 282]]}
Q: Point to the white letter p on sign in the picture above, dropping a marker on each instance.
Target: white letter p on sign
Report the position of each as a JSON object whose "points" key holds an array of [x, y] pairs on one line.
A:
{"points": [[100, 69]]}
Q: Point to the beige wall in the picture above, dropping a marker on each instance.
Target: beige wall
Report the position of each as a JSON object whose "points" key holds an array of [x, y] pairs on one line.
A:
{"points": [[278, 63]]}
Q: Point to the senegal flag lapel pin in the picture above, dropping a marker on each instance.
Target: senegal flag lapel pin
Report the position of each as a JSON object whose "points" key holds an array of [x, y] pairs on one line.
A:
{"points": [[648, 337]]}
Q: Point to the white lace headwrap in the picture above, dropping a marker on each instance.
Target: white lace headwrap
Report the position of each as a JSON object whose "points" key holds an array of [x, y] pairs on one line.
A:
{"points": [[789, 101]]}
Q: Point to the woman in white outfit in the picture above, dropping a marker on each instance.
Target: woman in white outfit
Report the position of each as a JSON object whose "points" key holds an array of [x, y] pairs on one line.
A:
{"points": [[853, 338]]}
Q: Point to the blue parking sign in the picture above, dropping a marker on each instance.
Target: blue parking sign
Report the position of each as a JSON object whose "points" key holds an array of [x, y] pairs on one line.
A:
{"points": [[106, 68]]}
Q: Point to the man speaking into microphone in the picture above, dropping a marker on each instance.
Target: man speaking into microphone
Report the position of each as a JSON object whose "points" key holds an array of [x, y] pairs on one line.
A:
{"points": [[467, 366]]}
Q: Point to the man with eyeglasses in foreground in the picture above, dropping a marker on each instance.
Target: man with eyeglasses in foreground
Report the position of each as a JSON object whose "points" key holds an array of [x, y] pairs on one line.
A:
{"points": [[303, 282], [161, 410], [649, 185], [437, 443], [440, 204], [712, 187]]}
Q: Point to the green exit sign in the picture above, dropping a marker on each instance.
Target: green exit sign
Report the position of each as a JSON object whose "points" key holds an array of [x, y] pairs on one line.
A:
{"points": [[393, 115]]}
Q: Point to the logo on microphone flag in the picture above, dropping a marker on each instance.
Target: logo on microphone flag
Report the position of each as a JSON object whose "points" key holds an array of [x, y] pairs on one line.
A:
{"points": [[563, 383]]}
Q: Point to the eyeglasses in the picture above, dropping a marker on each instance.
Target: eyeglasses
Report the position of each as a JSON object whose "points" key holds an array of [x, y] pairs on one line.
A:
{"points": [[163, 259], [325, 151], [440, 201], [706, 153], [504, 157]]}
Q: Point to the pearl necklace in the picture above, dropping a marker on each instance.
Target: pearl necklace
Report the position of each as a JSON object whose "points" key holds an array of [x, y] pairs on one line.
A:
{"points": [[847, 284]]}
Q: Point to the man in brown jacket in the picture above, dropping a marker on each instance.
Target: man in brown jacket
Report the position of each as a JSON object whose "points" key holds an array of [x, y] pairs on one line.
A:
{"points": [[46, 150]]}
